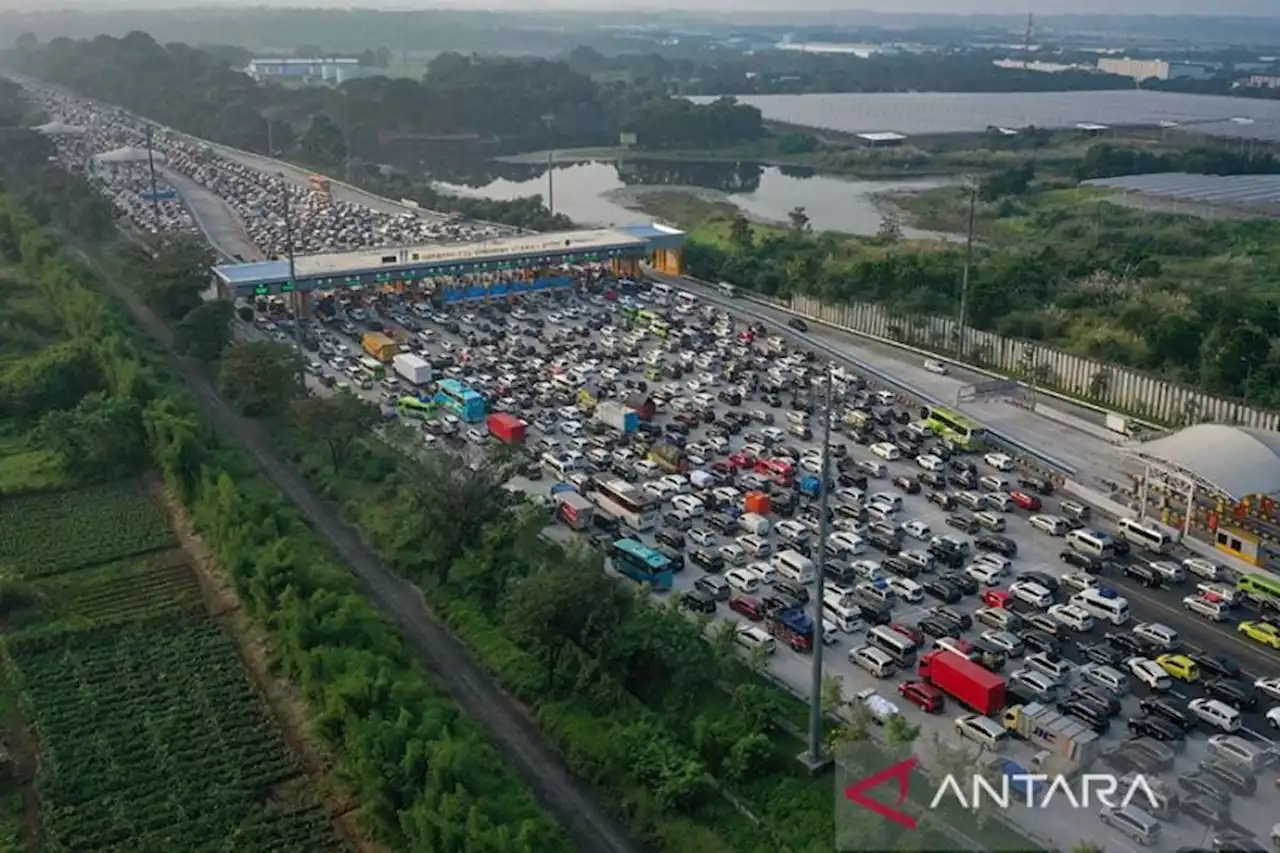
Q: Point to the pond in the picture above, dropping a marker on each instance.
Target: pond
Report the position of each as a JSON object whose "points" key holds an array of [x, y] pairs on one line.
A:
{"points": [[598, 193]]}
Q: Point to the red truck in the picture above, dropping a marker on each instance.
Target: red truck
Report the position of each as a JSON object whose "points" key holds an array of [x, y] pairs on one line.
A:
{"points": [[506, 428], [965, 681]]}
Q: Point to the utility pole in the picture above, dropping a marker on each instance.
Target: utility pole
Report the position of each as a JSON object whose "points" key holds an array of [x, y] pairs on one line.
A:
{"points": [[815, 759], [155, 194], [298, 298], [346, 136], [964, 279], [551, 182], [271, 138]]}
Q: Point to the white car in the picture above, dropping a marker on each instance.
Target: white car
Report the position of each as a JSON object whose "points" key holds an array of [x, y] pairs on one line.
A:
{"points": [[1149, 673], [727, 495], [881, 708], [661, 490], [848, 542], [917, 529], [1273, 717], [868, 570], [991, 558], [1214, 611], [733, 554], [689, 504], [886, 451], [999, 461], [934, 366], [677, 482], [1159, 634], [1216, 713], [1075, 618], [475, 436], [930, 462], [1269, 686], [792, 531], [1032, 593], [984, 573], [702, 536], [1206, 569], [743, 580], [906, 589], [1051, 524], [1003, 640], [1079, 581], [764, 571]]}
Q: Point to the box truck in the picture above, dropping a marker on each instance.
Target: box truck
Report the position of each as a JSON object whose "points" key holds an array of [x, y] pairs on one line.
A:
{"points": [[411, 368], [963, 680], [1067, 738], [507, 428], [379, 346], [618, 416]]}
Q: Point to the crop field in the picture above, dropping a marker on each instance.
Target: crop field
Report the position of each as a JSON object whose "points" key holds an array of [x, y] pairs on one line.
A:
{"points": [[153, 740], [45, 534], [124, 592]]}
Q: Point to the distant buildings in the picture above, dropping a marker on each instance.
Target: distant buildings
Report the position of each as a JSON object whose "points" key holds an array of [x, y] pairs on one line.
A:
{"points": [[1159, 69], [305, 70], [1265, 81]]}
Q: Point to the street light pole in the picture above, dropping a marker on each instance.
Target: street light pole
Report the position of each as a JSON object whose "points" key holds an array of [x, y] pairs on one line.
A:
{"points": [[815, 757], [151, 165], [299, 312], [964, 279]]}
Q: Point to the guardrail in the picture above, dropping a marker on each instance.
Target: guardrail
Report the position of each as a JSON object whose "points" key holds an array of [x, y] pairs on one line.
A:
{"points": [[1055, 465]]}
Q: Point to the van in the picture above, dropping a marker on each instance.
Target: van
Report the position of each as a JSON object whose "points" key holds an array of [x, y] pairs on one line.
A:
{"points": [[872, 660], [1107, 677], [1238, 752], [791, 589], [994, 483], [1074, 510], [1217, 714], [877, 593], [983, 731], [1169, 570], [999, 501], [1098, 604], [1051, 524], [751, 638], [743, 580], [991, 521], [1133, 822], [1150, 674], [794, 566], [1092, 543], [1058, 670], [756, 547], [754, 523], [846, 617]]}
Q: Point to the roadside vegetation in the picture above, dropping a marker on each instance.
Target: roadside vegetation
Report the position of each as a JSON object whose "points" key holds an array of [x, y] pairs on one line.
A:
{"points": [[130, 723]]}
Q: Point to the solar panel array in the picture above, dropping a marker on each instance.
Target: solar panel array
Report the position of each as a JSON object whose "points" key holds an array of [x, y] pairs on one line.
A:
{"points": [[1239, 190]]}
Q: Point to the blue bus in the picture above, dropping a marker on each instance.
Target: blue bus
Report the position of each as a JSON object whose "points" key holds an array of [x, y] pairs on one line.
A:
{"points": [[461, 401], [641, 563]]}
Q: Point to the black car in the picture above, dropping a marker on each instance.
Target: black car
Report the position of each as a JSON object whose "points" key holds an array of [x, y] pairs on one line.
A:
{"points": [[798, 324], [675, 557], [1098, 696], [1036, 484], [933, 480], [1155, 706], [1047, 581], [1101, 653], [1239, 781], [937, 628], [941, 590], [960, 581], [1201, 784], [1002, 545], [1126, 760], [942, 499], [873, 614], [910, 485], [698, 601], [1092, 565], [900, 567], [707, 560], [1018, 693], [1131, 644], [966, 480], [1235, 693], [1091, 715], [1156, 729], [1046, 623], [1211, 813], [1144, 574], [670, 538], [676, 520], [887, 544], [965, 523], [1215, 665], [963, 621], [839, 573], [852, 481], [1039, 641]]}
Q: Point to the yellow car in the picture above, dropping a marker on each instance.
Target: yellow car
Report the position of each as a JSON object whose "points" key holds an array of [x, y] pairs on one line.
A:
{"points": [[1261, 632], [1180, 667]]}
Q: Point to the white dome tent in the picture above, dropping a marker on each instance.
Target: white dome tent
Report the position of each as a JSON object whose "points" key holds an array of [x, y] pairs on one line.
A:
{"points": [[126, 156]]}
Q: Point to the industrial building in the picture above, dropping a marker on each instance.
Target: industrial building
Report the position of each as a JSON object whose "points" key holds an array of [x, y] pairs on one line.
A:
{"points": [[1146, 69], [327, 70]]}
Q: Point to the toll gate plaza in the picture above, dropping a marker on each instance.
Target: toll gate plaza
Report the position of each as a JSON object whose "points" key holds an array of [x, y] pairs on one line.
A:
{"points": [[492, 269]]}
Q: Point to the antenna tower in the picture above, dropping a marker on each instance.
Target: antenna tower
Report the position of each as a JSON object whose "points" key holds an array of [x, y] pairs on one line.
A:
{"points": [[1026, 41]]}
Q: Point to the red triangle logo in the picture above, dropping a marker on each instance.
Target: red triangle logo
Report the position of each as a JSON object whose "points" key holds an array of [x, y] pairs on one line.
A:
{"points": [[856, 793]]}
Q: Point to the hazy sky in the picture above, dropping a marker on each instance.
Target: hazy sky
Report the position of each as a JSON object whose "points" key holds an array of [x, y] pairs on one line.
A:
{"points": [[1216, 8]]}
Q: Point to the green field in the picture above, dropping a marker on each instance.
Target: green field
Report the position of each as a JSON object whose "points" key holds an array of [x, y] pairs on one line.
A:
{"points": [[60, 531]]}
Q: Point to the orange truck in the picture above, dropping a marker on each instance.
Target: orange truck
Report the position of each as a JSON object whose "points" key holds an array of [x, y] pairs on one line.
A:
{"points": [[380, 346]]}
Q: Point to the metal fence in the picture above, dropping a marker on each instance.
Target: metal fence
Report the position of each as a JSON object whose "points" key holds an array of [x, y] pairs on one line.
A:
{"points": [[1120, 389]]}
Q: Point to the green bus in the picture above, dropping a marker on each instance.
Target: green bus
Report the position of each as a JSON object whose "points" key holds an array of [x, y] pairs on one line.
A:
{"points": [[412, 407], [1259, 587], [628, 314], [963, 432], [645, 317], [660, 328], [653, 372]]}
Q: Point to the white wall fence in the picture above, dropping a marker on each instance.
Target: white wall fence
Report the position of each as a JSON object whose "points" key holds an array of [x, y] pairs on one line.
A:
{"points": [[1120, 389]]}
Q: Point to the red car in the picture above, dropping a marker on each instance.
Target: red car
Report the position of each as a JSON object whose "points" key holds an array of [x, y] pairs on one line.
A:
{"points": [[997, 598], [910, 633], [738, 461], [747, 606], [1031, 503], [722, 467], [924, 696]]}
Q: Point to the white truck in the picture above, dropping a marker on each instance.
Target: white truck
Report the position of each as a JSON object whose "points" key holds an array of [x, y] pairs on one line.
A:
{"points": [[1119, 424], [411, 368], [618, 416]]}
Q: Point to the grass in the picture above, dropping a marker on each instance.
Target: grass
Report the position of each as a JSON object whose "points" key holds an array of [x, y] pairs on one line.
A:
{"points": [[24, 468], [120, 593], [61, 531]]}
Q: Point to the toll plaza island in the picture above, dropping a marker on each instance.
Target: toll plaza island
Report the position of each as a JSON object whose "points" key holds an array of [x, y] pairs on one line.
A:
{"points": [[451, 273]]}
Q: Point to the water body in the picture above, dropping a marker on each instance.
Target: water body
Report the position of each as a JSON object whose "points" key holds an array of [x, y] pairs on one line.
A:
{"points": [[599, 193]]}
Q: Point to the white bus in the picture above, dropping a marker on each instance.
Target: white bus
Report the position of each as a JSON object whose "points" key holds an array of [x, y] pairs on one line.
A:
{"points": [[897, 646], [1102, 605], [1146, 534], [635, 508]]}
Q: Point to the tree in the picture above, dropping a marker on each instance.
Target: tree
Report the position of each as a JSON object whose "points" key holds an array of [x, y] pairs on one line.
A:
{"points": [[890, 227], [205, 332], [832, 699], [338, 421], [324, 142], [259, 377], [898, 731], [740, 232], [102, 438], [1086, 847], [799, 219], [173, 272]]}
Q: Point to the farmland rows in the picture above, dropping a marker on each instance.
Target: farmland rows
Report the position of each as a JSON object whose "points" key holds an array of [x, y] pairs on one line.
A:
{"points": [[43, 535], [151, 592], [152, 739]]}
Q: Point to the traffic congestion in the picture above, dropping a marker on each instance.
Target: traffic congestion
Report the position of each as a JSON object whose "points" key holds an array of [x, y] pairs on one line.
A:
{"points": [[968, 596]]}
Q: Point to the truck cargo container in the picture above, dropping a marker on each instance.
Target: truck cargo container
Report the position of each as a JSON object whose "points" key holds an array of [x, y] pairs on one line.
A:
{"points": [[642, 405], [618, 416], [411, 368], [506, 428], [811, 485], [574, 510], [791, 626], [757, 502], [1067, 738], [379, 346], [667, 457], [963, 680]]}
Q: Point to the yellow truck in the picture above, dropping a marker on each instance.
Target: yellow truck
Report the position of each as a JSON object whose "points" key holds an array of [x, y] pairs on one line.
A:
{"points": [[380, 346]]}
